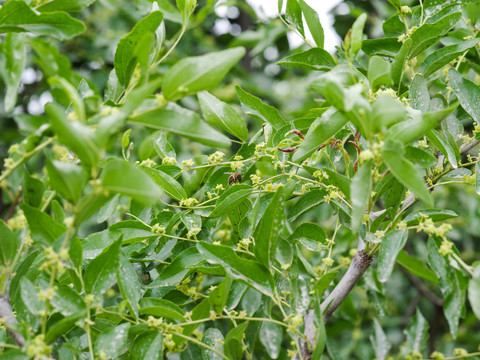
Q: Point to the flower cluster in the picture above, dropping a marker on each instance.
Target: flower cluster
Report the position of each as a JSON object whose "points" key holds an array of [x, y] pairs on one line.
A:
{"points": [[333, 194], [259, 149], [46, 294], [427, 225], [153, 322], [187, 164], [193, 233], [320, 175], [216, 157], [17, 222], [158, 229], [244, 243], [190, 202], [149, 163], [55, 261], [168, 160], [38, 348]]}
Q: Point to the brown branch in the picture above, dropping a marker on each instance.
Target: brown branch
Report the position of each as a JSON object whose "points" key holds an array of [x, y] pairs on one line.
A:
{"points": [[10, 320]]}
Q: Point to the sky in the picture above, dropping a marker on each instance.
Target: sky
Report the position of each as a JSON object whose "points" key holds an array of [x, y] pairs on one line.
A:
{"points": [[270, 8]]}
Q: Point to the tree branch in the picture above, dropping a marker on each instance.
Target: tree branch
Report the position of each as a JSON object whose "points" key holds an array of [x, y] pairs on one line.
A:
{"points": [[10, 320]]}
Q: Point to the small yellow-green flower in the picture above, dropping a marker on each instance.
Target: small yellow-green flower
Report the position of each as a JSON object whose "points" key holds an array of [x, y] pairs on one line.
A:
{"points": [[168, 160], [216, 157]]}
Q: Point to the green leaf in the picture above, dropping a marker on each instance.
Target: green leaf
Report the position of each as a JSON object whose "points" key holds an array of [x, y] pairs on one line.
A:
{"points": [[75, 135], [9, 247], [12, 61], [63, 326], [442, 3], [43, 228], [310, 235], [178, 268], [113, 342], [418, 94], [230, 199], [67, 301], [17, 16], [307, 202], [341, 181], [327, 126], [320, 331], [312, 59], [410, 130], [436, 215], [420, 157], [467, 92], [293, 15], [268, 229], [67, 179], [323, 283], [134, 48], [160, 308], [416, 267], [386, 111], [193, 74], [222, 115], [398, 65], [69, 6], [357, 33], [171, 186], [132, 231], [428, 34], [253, 106], [148, 345], [113, 123], [404, 171], [213, 338], [378, 72], [248, 271], [128, 284], [388, 47], [181, 121], [14, 355], [442, 57], [392, 244], [233, 346], [380, 342], [121, 177], [29, 296], [477, 178], [474, 291], [33, 190], [313, 22], [271, 337], [452, 284], [101, 273], [417, 332], [360, 191], [444, 146], [219, 296]]}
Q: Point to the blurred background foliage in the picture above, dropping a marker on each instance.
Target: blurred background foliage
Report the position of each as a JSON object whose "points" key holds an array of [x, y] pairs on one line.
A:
{"points": [[352, 332]]}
